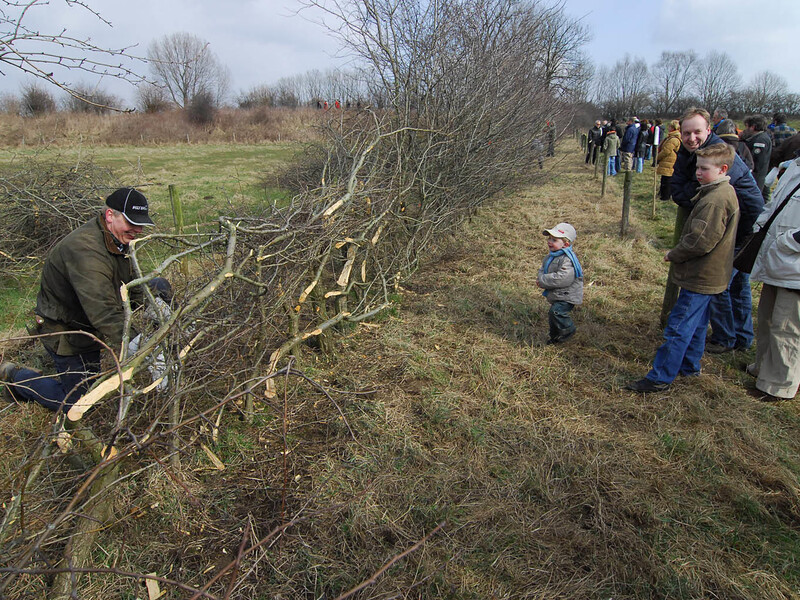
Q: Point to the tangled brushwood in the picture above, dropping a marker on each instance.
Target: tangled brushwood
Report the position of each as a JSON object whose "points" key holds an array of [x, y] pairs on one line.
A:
{"points": [[471, 93], [42, 201]]}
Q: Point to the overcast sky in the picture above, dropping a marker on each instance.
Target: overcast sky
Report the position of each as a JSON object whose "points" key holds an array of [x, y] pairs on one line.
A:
{"points": [[261, 41]]}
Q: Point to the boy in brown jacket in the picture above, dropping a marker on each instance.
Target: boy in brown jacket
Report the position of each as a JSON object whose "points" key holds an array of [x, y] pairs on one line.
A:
{"points": [[702, 266]]}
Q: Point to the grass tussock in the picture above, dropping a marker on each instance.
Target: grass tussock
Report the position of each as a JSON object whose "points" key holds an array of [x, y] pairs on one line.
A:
{"points": [[551, 481]]}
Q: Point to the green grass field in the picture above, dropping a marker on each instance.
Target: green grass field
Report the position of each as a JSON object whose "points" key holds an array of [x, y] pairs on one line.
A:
{"points": [[211, 179]]}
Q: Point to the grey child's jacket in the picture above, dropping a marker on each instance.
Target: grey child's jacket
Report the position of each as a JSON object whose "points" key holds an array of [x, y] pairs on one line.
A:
{"points": [[560, 281]]}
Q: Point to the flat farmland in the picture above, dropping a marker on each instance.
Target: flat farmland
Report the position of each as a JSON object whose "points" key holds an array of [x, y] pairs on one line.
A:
{"points": [[212, 180]]}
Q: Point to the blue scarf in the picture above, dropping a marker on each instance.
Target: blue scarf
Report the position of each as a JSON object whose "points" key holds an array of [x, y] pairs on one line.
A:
{"points": [[571, 254]]}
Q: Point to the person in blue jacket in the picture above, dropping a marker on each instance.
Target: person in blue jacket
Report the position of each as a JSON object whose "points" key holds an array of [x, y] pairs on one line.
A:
{"points": [[732, 310], [627, 145]]}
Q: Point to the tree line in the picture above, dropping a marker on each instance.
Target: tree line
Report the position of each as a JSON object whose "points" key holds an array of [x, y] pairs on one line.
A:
{"points": [[681, 79]]}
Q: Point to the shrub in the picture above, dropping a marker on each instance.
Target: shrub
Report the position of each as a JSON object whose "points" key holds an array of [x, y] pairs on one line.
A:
{"points": [[36, 100], [201, 109]]}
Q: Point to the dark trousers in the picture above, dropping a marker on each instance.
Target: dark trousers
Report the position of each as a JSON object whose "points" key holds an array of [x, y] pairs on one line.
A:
{"points": [[74, 375], [664, 191], [591, 154], [561, 324]]}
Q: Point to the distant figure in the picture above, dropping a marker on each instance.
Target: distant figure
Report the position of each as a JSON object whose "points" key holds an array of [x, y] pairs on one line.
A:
{"points": [[667, 154], [561, 278], [337, 105], [641, 146], [720, 117], [780, 130], [551, 138], [325, 105], [538, 151], [628, 144], [727, 131], [760, 144], [594, 142], [611, 148]]}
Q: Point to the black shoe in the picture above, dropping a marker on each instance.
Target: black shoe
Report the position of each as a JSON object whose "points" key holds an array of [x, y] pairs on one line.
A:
{"points": [[561, 338], [646, 385], [713, 348]]}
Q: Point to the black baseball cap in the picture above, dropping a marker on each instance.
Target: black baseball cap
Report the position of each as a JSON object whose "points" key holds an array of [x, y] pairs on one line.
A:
{"points": [[132, 204]]}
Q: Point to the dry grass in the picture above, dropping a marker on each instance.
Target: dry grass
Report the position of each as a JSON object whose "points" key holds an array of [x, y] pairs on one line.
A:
{"points": [[552, 481], [229, 125]]}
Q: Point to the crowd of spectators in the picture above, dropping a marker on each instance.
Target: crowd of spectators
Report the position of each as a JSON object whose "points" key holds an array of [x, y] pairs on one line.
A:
{"points": [[763, 172]]}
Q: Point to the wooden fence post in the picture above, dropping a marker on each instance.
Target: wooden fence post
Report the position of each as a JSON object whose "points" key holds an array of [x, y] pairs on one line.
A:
{"points": [[177, 218], [605, 174], [626, 203]]}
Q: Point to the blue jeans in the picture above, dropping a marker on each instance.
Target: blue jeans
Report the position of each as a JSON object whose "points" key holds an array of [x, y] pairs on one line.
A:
{"points": [[639, 164], [560, 322], [612, 165], [732, 314], [684, 338], [616, 162], [74, 375]]}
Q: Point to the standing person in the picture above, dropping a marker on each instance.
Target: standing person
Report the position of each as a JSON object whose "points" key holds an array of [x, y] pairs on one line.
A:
{"points": [[777, 365], [702, 264], [628, 144], [731, 311], [640, 151], [594, 142], [80, 293], [656, 137], [667, 154], [620, 134], [551, 138], [720, 116], [727, 131], [561, 278], [760, 145], [780, 130], [611, 148]]}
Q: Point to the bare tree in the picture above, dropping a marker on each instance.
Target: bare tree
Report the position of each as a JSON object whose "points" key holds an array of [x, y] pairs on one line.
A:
{"points": [[717, 78], [52, 55], [562, 64], [764, 94], [185, 66], [623, 89], [672, 75]]}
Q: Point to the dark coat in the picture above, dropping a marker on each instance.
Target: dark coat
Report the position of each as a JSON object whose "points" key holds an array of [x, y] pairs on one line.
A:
{"points": [[760, 145], [628, 143], [80, 290], [683, 186], [785, 151]]}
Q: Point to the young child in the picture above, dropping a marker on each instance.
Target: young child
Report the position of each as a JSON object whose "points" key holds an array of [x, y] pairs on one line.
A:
{"points": [[702, 263], [561, 277]]}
